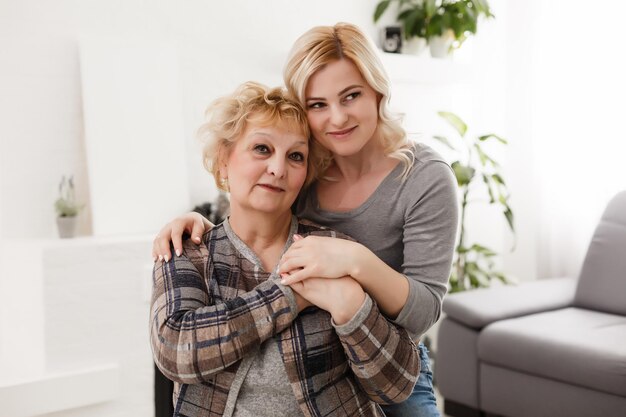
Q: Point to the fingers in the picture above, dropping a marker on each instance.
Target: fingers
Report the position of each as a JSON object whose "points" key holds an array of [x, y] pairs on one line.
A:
{"points": [[293, 278], [174, 230], [161, 249], [197, 231], [176, 237], [288, 264]]}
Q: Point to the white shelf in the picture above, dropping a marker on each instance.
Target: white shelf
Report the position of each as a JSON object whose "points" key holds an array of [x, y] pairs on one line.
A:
{"points": [[59, 391], [423, 69]]}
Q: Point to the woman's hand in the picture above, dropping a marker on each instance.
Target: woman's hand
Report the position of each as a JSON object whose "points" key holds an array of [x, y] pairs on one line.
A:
{"points": [[193, 223], [317, 256], [341, 297]]}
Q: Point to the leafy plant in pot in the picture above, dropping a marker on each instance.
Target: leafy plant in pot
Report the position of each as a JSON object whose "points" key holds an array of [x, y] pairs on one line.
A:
{"points": [[444, 24], [474, 169], [67, 208], [413, 19]]}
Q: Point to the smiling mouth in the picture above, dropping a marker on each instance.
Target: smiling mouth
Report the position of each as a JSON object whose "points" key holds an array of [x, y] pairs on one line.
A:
{"points": [[271, 188], [342, 133]]}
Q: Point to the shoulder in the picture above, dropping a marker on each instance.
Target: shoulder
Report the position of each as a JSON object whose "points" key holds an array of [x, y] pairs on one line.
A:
{"points": [[307, 227], [429, 168], [429, 181], [426, 158], [215, 237]]}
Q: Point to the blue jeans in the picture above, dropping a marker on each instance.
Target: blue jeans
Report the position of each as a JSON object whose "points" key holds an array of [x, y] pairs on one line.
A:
{"points": [[422, 402]]}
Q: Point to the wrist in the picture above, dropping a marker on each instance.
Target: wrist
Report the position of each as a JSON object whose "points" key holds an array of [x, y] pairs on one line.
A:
{"points": [[360, 256], [301, 302], [343, 313]]}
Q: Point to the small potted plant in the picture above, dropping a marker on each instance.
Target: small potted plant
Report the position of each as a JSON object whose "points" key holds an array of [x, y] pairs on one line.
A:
{"points": [[67, 208], [445, 24], [413, 19]]}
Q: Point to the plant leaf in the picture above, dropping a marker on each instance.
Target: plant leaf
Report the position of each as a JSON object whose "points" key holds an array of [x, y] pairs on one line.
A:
{"points": [[491, 135], [488, 185], [502, 277], [380, 9], [445, 141], [483, 250], [509, 218], [464, 174], [455, 121], [430, 6], [497, 178], [481, 155]]}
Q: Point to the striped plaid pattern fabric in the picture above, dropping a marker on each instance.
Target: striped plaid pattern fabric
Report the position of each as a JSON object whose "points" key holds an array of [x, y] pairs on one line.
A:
{"points": [[213, 306]]}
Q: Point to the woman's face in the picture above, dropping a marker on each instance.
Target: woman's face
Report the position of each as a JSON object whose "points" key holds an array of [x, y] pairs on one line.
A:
{"points": [[266, 169], [342, 108]]}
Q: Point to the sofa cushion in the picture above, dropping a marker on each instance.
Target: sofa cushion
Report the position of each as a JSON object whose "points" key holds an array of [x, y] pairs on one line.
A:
{"points": [[478, 308], [602, 283], [572, 345]]}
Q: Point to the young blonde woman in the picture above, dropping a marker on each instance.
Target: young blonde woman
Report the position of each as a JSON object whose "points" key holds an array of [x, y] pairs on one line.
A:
{"points": [[397, 199], [235, 340]]}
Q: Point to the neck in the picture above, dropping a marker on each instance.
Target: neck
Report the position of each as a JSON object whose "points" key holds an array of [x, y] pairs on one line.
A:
{"points": [[260, 231], [369, 160]]}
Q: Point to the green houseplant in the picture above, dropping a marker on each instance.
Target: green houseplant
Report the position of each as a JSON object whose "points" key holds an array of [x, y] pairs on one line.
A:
{"points": [[67, 208], [445, 24], [475, 171]]}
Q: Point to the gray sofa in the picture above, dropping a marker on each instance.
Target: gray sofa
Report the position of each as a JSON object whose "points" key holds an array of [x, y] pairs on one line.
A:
{"points": [[554, 347]]}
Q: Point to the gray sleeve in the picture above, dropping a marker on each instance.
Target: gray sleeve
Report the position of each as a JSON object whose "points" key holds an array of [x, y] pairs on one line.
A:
{"points": [[429, 236]]}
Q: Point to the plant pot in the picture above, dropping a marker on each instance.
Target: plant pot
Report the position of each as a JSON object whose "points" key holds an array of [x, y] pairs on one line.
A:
{"points": [[66, 227], [440, 45], [414, 46]]}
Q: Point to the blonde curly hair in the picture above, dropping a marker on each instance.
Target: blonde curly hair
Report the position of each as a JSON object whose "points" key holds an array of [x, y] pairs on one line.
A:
{"points": [[229, 116]]}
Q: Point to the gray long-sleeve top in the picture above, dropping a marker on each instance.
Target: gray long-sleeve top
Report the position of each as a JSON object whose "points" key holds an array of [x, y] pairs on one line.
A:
{"points": [[409, 224]]}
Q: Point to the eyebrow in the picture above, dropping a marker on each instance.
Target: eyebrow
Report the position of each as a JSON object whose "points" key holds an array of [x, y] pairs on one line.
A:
{"points": [[348, 88], [302, 142]]}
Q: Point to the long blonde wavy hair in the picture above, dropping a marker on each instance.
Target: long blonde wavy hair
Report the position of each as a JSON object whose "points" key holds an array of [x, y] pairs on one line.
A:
{"points": [[322, 45]]}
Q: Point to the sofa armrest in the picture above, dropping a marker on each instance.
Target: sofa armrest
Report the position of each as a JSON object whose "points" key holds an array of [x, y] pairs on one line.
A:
{"points": [[478, 308]]}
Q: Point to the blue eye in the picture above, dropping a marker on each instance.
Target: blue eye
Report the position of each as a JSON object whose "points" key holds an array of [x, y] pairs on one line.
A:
{"points": [[297, 156]]}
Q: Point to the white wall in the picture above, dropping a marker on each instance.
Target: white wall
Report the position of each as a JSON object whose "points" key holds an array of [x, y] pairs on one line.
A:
{"points": [[220, 45]]}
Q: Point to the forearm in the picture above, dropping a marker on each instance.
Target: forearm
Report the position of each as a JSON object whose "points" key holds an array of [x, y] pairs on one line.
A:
{"points": [[387, 287], [373, 344], [193, 340]]}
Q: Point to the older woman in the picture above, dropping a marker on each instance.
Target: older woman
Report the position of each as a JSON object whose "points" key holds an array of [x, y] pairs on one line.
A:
{"points": [[236, 341]]}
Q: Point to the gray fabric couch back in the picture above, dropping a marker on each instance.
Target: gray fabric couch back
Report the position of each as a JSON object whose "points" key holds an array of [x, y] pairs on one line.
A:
{"points": [[602, 281]]}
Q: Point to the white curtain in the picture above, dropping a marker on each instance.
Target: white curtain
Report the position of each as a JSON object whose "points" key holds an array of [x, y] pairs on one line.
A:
{"points": [[578, 117]]}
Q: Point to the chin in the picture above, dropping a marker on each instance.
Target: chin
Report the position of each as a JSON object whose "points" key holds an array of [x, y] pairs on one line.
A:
{"points": [[347, 149], [271, 208]]}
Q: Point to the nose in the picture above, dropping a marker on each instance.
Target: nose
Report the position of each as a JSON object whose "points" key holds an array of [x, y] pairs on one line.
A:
{"points": [[338, 116], [276, 166]]}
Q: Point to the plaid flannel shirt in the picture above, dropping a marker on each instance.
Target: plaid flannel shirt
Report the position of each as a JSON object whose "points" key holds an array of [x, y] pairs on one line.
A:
{"points": [[212, 307]]}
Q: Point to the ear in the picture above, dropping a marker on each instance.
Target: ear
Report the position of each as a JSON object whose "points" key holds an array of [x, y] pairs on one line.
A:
{"points": [[379, 98], [222, 165]]}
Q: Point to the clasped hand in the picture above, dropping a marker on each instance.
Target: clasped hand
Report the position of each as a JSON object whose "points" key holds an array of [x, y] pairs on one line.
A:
{"points": [[319, 257]]}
